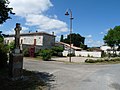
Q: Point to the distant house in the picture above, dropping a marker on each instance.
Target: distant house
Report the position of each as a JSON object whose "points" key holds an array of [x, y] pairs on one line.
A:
{"points": [[108, 49], [38, 40], [67, 48], [105, 48], [77, 51]]}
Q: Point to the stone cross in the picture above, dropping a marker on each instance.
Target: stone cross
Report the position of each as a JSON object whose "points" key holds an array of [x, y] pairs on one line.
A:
{"points": [[17, 35]]}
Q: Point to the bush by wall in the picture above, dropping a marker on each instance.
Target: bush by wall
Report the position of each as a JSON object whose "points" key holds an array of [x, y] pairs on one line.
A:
{"points": [[102, 60], [3, 55], [46, 54], [57, 51], [72, 54], [26, 52]]}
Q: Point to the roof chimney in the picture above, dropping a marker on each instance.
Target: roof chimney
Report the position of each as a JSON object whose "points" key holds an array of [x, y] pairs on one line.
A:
{"points": [[52, 33]]}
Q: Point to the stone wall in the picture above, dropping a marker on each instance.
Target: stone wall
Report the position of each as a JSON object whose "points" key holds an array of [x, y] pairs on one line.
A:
{"points": [[84, 53]]}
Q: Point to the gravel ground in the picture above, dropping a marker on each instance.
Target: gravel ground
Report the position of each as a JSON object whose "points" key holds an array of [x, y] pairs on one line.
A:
{"points": [[73, 59], [71, 76]]}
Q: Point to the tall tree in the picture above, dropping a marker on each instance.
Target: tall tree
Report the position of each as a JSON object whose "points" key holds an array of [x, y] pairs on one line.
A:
{"points": [[113, 37], [109, 38], [61, 38], [1, 37], [76, 39], [5, 11]]}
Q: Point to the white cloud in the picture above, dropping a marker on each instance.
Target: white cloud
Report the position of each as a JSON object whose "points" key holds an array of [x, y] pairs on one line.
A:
{"points": [[25, 7], [10, 31], [93, 43], [24, 29], [88, 36], [32, 11], [102, 33]]}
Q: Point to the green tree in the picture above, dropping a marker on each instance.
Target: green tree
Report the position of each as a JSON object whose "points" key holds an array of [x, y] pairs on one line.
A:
{"points": [[112, 38], [76, 39], [1, 37], [11, 45], [5, 11], [83, 46], [57, 50], [3, 52], [109, 38]]}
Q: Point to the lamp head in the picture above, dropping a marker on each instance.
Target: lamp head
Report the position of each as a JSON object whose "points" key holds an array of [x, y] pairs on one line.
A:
{"points": [[67, 13]]}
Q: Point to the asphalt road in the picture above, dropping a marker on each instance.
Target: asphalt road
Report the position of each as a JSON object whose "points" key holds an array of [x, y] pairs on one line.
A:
{"points": [[78, 76]]}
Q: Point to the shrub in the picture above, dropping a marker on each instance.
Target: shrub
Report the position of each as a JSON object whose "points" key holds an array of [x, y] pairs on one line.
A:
{"points": [[11, 46], [26, 52], [103, 54], [46, 54], [88, 55], [3, 55], [57, 51], [90, 61], [102, 60], [72, 54]]}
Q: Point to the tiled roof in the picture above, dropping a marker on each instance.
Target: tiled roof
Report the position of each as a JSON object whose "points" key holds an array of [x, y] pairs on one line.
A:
{"points": [[32, 34], [68, 45]]}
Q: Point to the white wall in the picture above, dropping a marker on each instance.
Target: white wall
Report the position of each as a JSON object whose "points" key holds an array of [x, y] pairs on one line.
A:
{"points": [[65, 53], [26, 40], [104, 48], [30, 40], [84, 53], [8, 40], [87, 53]]}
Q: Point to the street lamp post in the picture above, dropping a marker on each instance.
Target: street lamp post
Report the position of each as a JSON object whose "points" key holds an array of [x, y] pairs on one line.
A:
{"points": [[71, 18]]}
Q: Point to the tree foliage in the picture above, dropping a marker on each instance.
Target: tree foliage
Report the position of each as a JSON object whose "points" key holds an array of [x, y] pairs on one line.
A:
{"points": [[1, 37], [57, 50], [4, 11], [113, 37], [76, 39], [46, 54], [3, 53], [11, 45]]}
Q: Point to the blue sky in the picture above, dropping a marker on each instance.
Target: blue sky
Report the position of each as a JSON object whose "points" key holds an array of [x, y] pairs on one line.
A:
{"points": [[92, 18]]}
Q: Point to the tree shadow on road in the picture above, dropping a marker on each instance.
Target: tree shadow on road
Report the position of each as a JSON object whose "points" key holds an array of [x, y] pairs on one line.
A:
{"points": [[32, 80]]}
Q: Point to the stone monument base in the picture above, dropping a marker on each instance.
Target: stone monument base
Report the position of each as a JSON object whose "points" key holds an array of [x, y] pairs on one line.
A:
{"points": [[16, 66]]}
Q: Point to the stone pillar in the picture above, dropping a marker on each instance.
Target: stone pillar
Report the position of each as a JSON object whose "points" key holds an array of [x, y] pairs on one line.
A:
{"points": [[16, 57], [17, 37]]}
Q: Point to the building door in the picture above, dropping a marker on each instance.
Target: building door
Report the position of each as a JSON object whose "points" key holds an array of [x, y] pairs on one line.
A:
{"points": [[34, 42]]}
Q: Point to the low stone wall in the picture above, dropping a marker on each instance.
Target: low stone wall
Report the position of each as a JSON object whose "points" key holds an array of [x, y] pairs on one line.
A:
{"points": [[84, 53], [87, 53]]}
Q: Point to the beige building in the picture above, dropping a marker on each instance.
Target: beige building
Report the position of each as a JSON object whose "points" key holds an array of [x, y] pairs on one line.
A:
{"points": [[39, 40]]}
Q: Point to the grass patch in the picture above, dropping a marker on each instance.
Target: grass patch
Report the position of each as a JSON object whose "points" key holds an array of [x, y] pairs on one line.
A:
{"points": [[32, 81]]}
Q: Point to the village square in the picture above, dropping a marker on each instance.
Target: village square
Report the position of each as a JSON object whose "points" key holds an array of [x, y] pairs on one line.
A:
{"points": [[44, 52]]}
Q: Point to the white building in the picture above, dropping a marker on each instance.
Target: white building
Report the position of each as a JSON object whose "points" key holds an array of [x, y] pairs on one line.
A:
{"points": [[77, 51], [39, 40], [105, 48]]}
